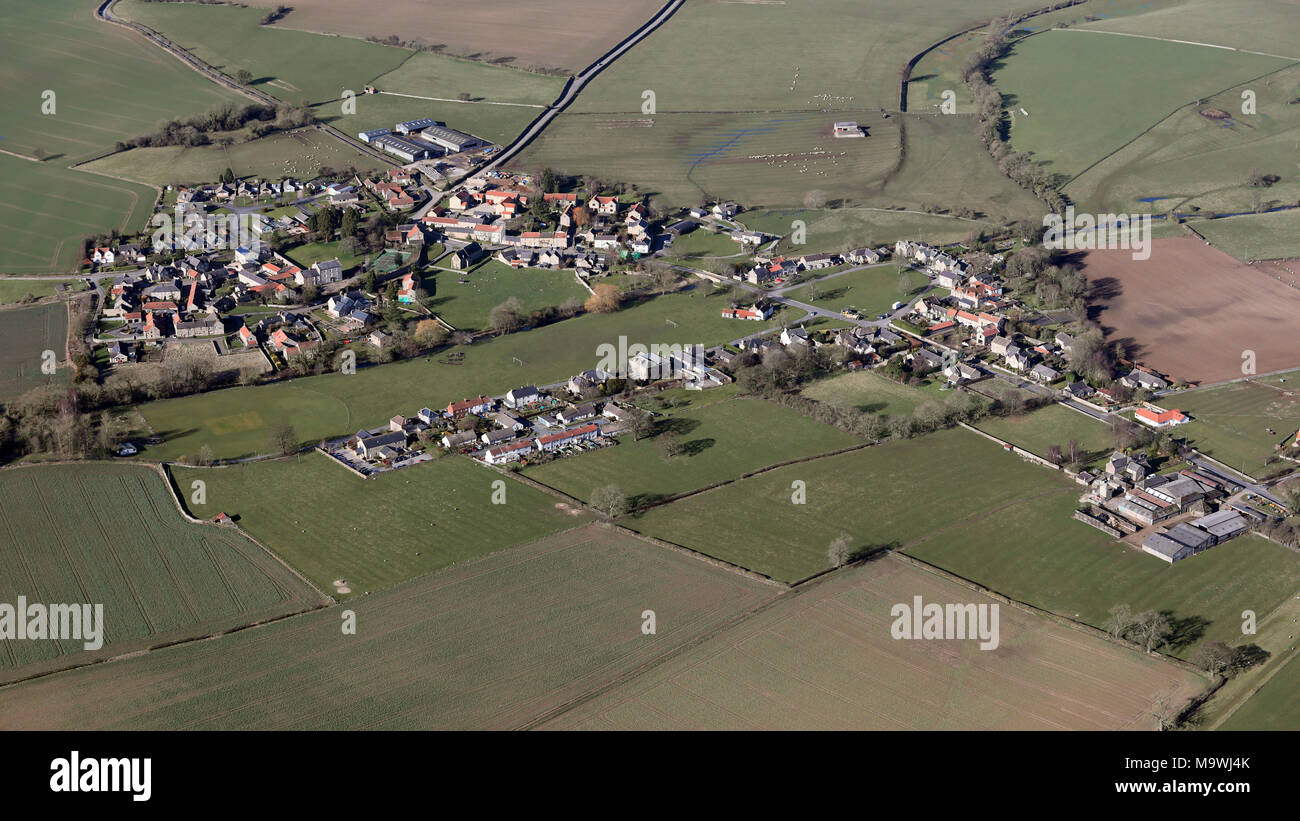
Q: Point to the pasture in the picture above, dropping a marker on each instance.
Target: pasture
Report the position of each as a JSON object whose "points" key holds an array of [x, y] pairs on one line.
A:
{"points": [[842, 229], [825, 659], [46, 211], [1132, 84], [110, 534], [332, 524], [721, 441], [1038, 430], [1034, 552], [1257, 236], [891, 494], [25, 335], [1248, 309], [495, 644], [872, 393], [1232, 422], [469, 306], [870, 290], [337, 404], [16, 290], [1274, 707], [1258, 25], [300, 154]]}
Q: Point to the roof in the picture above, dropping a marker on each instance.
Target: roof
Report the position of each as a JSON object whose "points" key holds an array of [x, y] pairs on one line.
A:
{"points": [[1161, 418], [567, 434]]}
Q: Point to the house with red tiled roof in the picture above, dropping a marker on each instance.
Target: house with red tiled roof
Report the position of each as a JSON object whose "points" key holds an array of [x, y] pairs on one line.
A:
{"points": [[605, 206], [1157, 418], [476, 405], [555, 441]]}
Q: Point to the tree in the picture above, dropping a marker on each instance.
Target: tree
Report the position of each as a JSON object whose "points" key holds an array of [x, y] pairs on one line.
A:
{"points": [[1214, 657], [1119, 622], [508, 316], [641, 423], [815, 199], [243, 76], [429, 334], [840, 551], [1151, 629], [670, 445], [609, 501], [605, 300], [283, 438], [206, 457]]}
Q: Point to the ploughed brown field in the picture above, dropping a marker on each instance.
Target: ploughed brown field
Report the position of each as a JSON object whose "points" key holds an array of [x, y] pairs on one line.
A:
{"points": [[1191, 310], [568, 34]]}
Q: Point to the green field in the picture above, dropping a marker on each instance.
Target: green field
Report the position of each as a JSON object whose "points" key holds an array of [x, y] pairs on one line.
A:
{"points": [[1274, 707], [1034, 552], [1231, 422], [331, 524], [469, 306], [495, 644], [872, 393], [46, 211], [722, 441], [842, 229], [25, 335], [299, 155], [15, 290], [894, 493], [236, 421], [310, 253], [1038, 430], [870, 290], [1258, 25], [1132, 84], [1258, 236], [825, 659], [111, 535]]}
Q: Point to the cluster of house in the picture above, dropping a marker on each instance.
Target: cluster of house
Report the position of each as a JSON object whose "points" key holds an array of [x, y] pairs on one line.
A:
{"points": [[1132, 497], [397, 189], [420, 139], [779, 270]]}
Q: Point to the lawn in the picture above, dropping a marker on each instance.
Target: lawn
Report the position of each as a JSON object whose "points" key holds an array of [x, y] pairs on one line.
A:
{"points": [[1034, 552], [890, 494], [721, 441], [300, 154], [111, 535], [1258, 236], [494, 644], [235, 422], [1038, 430], [872, 393], [469, 306], [331, 524], [25, 335], [1070, 132], [310, 253], [872, 291], [1232, 422], [825, 659]]}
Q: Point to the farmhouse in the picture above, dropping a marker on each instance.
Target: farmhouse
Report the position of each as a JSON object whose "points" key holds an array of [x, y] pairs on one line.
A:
{"points": [[757, 313], [1160, 419], [1144, 380]]}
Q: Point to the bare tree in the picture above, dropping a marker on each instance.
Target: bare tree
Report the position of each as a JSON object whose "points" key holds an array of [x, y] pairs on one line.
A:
{"points": [[840, 551], [283, 438], [1120, 621], [670, 445], [1152, 629], [1214, 657], [609, 501]]}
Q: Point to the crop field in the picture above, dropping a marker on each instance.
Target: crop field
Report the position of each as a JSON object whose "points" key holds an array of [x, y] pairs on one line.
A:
{"points": [[1034, 552], [469, 306], [25, 335], [553, 34], [1232, 422], [1248, 309], [825, 659], [110, 535], [235, 422], [46, 210], [870, 290], [722, 441], [371, 533], [1038, 430], [772, 159], [299, 154], [1132, 84], [872, 393], [495, 644], [891, 494], [1192, 162], [293, 66], [1257, 236]]}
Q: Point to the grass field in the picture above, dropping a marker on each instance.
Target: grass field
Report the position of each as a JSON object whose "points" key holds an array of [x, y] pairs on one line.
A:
{"points": [[495, 644], [46, 211], [1258, 236], [825, 659], [469, 306], [236, 421], [872, 393], [1052, 425], [1231, 422], [870, 290], [331, 524], [888, 494], [1069, 132], [722, 441], [110, 535], [299, 155], [842, 229], [1034, 552], [25, 335], [310, 253], [1274, 707], [1257, 25], [14, 290]]}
